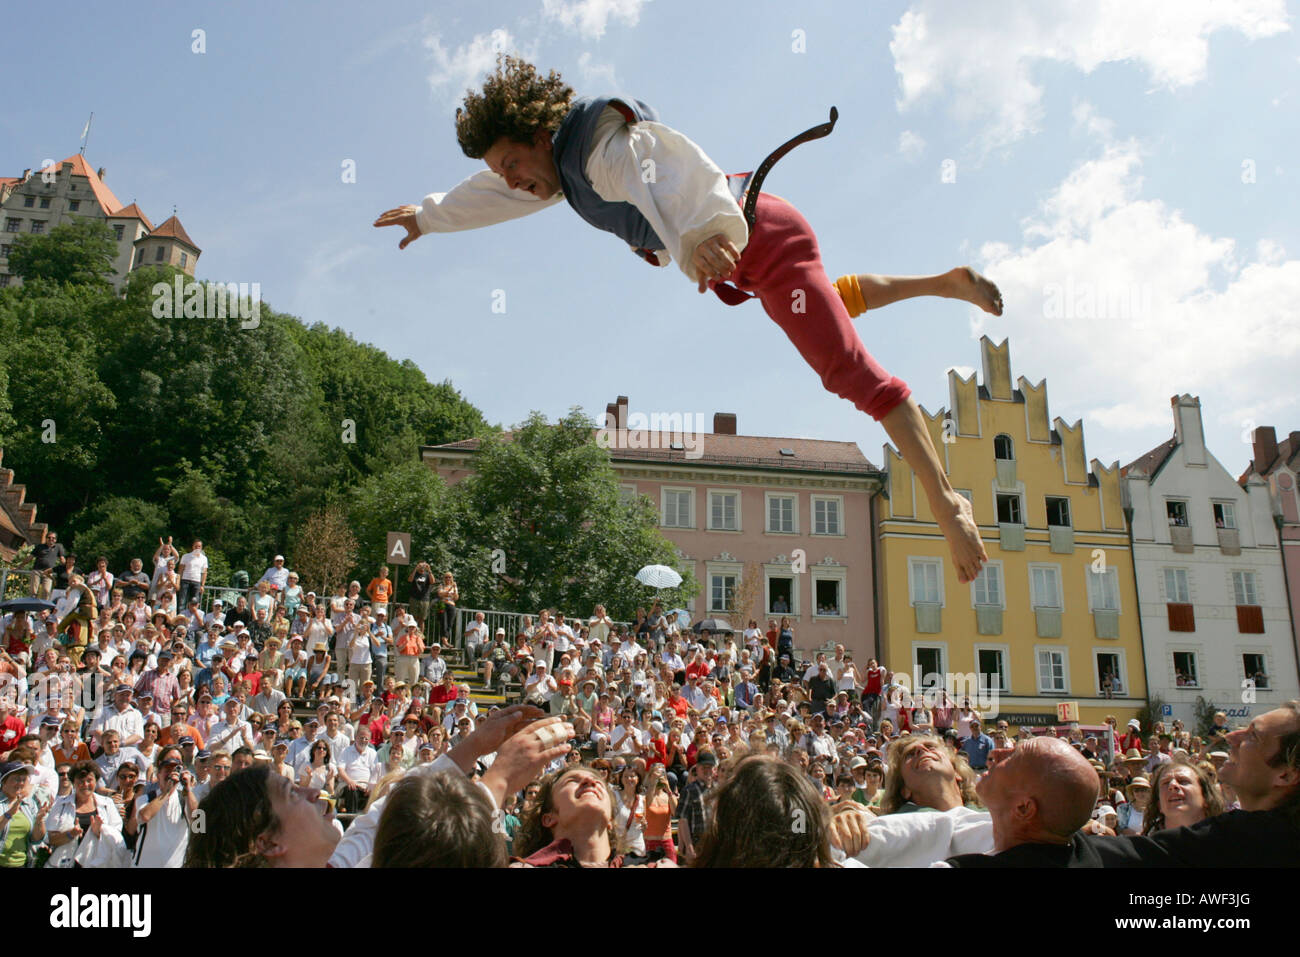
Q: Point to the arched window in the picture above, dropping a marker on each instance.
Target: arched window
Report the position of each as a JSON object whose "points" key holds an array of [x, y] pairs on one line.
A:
{"points": [[1003, 448]]}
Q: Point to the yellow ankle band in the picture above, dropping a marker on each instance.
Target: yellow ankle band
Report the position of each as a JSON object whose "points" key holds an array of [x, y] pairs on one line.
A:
{"points": [[851, 293]]}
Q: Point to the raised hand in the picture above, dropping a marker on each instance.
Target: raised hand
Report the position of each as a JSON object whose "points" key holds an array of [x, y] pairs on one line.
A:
{"points": [[403, 216]]}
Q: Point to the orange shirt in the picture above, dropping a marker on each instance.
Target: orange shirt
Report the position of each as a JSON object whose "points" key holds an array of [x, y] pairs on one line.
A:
{"points": [[658, 818], [78, 753], [380, 589]]}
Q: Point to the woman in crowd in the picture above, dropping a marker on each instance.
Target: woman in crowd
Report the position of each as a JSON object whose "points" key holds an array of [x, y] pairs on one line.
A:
{"points": [[752, 824], [1181, 795], [218, 690], [319, 772], [1132, 813], [448, 596], [271, 663], [630, 818], [185, 685], [148, 748], [84, 827], [570, 824], [319, 675], [660, 808], [22, 820]]}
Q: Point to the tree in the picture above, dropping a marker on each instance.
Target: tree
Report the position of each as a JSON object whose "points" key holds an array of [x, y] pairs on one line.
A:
{"points": [[749, 588], [80, 252], [545, 500], [119, 529], [324, 550]]}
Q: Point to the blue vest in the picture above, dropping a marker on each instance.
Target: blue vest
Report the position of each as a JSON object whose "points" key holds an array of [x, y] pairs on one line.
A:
{"points": [[571, 143]]}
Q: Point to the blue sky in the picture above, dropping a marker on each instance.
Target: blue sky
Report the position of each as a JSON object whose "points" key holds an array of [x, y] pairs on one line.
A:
{"points": [[1151, 155]]}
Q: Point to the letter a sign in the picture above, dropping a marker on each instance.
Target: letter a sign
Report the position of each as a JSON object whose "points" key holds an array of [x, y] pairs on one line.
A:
{"points": [[399, 548]]}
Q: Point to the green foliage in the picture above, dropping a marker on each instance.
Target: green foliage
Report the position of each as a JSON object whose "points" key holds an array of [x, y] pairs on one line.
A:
{"points": [[548, 498], [120, 529], [1150, 714], [1204, 711], [80, 252]]}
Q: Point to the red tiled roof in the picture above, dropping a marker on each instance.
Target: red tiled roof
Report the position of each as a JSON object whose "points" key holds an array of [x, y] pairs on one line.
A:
{"points": [[753, 451], [103, 195], [172, 227], [10, 180], [134, 212], [1150, 463]]}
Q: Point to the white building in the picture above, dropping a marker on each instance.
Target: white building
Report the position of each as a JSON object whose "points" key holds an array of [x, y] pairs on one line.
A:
{"points": [[36, 202], [1211, 593]]}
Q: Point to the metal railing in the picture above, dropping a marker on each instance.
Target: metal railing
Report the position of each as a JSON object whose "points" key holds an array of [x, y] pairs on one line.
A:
{"points": [[511, 621]]}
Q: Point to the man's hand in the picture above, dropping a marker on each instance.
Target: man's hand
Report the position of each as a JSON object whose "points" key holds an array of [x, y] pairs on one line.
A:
{"points": [[714, 258], [849, 831], [523, 756], [403, 216], [490, 732]]}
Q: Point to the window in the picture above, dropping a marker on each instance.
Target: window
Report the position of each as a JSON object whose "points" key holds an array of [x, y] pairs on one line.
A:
{"points": [[74, 205], [4, 280], [926, 579], [1185, 675], [4, 251], [139, 256], [724, 511], [1058, 511], [45, 202], [1009, 511], [826, 516], [1110, 674], [966, 494], [1177, 512], [1003, 448], [1225, 516], [930, 660], [29, 202], [991, 666], [827, 595], [158, 254], [1045, 586], [722, 589], [1176, 587], [185, 258], [986, 589], [677, 508], [1255, 668], [780, 596], [13, 224], [38, 225], [1051, 671], [780, 514], [118, 231], [1244, 588], [627, 492], [1103, 589]]}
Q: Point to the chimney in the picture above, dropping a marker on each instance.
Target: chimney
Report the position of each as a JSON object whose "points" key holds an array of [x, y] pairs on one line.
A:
{"points": [[724, 423], [622, 412], [611, 416], [100, 173], [1264, 439], [1187, 428], [1295, 442], [26, 173]]}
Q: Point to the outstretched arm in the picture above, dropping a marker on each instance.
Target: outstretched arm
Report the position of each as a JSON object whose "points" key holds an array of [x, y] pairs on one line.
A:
{"points": [[483, 199]]}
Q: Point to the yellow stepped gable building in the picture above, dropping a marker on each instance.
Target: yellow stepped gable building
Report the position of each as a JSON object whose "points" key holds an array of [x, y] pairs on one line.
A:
{"points": [[1053, 618]]}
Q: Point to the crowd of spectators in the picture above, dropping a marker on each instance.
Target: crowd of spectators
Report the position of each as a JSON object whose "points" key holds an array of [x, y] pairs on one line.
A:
{"points": [[137, 729]]}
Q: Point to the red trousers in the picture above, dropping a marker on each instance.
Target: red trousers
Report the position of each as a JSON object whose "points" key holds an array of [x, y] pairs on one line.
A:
{"points": [[782, 266]]}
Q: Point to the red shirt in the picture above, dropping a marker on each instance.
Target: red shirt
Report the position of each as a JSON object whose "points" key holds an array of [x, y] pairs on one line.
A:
{"points": [[11, 729], [661, 752], [680, 706], [378, 725], [697, 668], [441, 694], [874, 677]]}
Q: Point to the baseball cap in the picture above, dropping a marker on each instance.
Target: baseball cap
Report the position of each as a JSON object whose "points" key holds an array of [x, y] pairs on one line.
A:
{"points": [[185, 740]]}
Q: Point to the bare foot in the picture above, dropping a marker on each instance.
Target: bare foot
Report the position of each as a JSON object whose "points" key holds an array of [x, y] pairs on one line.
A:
{"points": [[970, 286], [957, 522]]}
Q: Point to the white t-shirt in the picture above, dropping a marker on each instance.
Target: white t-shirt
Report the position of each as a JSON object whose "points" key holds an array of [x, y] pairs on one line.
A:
{"points": [[165, 837], [193, 565], [923, 838], [360, 765]]}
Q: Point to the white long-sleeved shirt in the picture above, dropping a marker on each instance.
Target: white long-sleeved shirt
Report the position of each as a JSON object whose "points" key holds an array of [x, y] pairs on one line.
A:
{"points": [[359, 840], [924, 838], [671, 181]]}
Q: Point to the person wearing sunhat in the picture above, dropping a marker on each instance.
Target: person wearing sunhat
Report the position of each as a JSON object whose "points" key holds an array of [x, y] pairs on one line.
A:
{"points": [[22, 820]]}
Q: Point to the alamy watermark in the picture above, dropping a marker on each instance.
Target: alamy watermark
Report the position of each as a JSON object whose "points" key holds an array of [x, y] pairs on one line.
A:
{"points": [[208, 300], [658, 430]]}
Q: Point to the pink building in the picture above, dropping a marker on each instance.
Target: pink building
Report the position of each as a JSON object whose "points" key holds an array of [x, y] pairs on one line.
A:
{"points": [[793, 513], [1277, 464]]}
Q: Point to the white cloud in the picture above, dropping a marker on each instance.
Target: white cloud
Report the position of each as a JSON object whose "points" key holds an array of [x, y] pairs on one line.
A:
{"points": [[1121, 303], [458, 70], [596, 75], [980, 57], [589, 17], [910, 144]]}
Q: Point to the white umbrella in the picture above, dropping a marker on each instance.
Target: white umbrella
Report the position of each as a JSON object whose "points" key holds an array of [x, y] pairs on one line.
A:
{"points": [[658, 576]]}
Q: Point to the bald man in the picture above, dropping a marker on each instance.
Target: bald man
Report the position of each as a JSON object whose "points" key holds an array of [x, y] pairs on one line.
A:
{"points": [[1039, 796]]}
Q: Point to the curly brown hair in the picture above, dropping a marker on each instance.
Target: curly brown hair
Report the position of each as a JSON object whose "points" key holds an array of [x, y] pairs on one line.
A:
{"points": [[516, 102]]}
